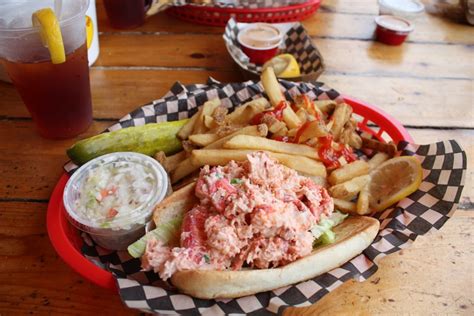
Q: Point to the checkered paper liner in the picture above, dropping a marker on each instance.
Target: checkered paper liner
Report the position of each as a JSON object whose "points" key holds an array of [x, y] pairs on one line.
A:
{"points": [[296, 42], [427, 209]]}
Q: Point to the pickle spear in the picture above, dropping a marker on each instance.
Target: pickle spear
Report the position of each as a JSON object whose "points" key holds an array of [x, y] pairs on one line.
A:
{"points": [[146, 139]]}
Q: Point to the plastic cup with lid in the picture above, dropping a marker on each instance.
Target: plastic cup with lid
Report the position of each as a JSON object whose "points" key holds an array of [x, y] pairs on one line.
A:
{"points": [[392, 30], [128, 226], [408, 9]]}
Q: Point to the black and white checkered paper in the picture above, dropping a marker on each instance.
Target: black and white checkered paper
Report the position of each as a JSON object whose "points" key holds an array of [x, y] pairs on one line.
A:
{"points": [[296, 42], [427, 209]]}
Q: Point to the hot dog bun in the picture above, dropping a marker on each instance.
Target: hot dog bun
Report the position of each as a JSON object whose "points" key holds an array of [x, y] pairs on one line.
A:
{"points": [[175, 205], [352, 236]]}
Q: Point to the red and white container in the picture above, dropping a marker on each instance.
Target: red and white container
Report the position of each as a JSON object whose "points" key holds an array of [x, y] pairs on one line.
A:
{"points": [[392, 30], [260, 42]]}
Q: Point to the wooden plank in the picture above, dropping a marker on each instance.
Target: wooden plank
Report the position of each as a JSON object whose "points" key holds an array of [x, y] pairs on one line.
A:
{"points": [[414, 102], [32, 170], [427, 28], [322, 24], [409, 60], [194, 50], [32, 276], [117, 92], [342, 56], [435, 271]]}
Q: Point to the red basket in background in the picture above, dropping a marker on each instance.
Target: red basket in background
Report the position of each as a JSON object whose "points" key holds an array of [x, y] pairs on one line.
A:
{"points": [[216, 16]]}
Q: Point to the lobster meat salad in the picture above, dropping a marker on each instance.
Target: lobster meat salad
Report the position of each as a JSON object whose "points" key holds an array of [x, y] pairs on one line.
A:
{"points": [[256, 213]]}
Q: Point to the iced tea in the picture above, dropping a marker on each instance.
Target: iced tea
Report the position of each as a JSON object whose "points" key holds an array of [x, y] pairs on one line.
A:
{"points": [[57, 95]]}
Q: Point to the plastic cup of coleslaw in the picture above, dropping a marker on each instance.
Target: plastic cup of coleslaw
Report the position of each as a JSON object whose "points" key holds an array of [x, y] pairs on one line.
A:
{"points": [[112, 197]]}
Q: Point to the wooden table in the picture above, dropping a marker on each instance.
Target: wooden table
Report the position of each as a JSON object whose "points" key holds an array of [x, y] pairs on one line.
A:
{"points": [[427, 84]]}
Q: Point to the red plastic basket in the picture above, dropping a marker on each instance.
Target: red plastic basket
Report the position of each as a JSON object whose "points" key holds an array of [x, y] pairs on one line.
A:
{"points": [[216, 16], [67, 241]]}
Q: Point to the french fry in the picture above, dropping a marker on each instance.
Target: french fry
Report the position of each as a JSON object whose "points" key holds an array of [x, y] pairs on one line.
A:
{"points": [[389, 148], [302, 101], [160, 156], [275, 126], [203, 139], [363, 201], [320, 180], [255, 130], [172, 162], [301, 164], [349, 171], [311, 130], [185, 168], [187, 129], [243, 114], [188, 146], [272, 88], [349, 189], [347, 132], [225, 129], [206, 110], [290, 118], [325, 106], [302, 115], [292, 132], [345, 206], [282, 131], [209, 122], [261, 143], [377, 159], [355, 141], [216, 157], [219, 114], [341, 115]]}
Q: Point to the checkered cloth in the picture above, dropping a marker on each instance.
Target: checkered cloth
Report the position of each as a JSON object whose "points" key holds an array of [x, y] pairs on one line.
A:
{"points": [[296, 42], [427, 209]]}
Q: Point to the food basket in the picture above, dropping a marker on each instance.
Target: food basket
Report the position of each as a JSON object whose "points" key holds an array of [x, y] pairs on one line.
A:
{"points": [[218, 16], [67, 241]]}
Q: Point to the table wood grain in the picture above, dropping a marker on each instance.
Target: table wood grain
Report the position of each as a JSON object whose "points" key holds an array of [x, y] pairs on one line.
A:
{"points": [[427, 84]]}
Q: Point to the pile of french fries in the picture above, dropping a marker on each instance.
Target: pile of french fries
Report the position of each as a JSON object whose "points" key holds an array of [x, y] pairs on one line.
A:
{"points": [[215, 137]]}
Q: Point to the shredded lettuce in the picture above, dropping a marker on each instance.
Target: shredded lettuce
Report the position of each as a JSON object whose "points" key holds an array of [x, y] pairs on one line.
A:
{"points": [[165, 232], [323, 233]]}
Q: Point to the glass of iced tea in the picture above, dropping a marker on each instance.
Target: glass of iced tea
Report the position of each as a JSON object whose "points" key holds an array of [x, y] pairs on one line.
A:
{"points": [[56, 94], [126, 14]]}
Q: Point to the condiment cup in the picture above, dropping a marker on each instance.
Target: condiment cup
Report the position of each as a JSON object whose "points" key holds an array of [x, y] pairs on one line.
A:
{"points": [[408, 9], [259, 49], [392, 30], [126, 228]]}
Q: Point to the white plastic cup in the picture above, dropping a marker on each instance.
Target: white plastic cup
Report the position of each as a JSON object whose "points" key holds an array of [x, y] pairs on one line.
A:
{"points": [[408, 9], [129, 227]]}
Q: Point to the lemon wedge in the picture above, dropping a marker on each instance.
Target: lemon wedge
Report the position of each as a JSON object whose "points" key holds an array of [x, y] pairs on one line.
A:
{"points": [[89, 31], [394, 180], [50, 33], [285, 66]]}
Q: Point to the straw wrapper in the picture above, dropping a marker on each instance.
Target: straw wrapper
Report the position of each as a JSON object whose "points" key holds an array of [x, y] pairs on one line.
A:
{"points": [[427, 209]]}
